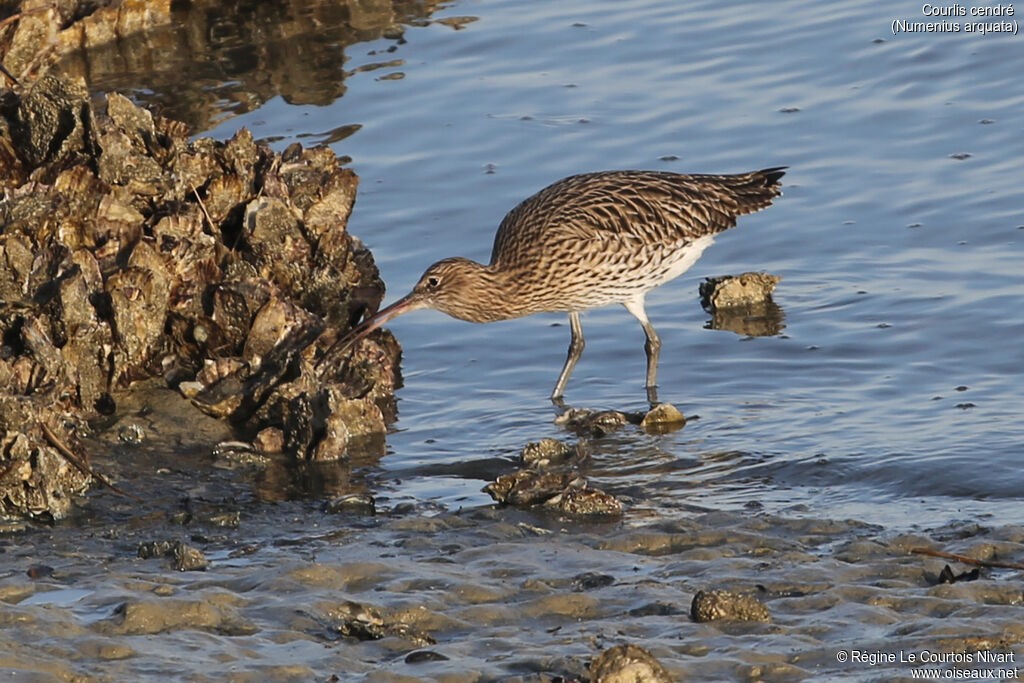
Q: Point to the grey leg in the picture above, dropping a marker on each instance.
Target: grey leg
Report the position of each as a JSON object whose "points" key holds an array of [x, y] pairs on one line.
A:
{"points": [[576, 345], [652, 346]]}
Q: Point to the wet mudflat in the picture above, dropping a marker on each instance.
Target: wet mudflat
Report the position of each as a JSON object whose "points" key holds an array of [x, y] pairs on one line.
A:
{"points": [[420, 592], [882, 417]]}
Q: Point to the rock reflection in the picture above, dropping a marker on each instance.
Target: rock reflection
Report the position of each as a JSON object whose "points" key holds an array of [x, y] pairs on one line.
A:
{"points": [[215, 60], [284, 479], [764, 319], [742, 304]]}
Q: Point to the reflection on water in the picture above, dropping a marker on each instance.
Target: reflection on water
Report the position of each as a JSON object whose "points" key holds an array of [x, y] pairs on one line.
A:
{"points": [[219, 59], [763, 319]]}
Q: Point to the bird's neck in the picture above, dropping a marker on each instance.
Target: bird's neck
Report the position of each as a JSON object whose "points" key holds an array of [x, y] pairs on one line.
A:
{"points": [[499, 295], [486, 293]]}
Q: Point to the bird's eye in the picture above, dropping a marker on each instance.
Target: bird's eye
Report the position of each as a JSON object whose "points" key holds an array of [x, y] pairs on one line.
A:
{"points": [[433, 281]]}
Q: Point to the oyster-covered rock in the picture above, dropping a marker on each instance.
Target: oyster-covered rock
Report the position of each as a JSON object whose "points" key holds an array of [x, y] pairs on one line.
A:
{"points": [[551, 478], [42, 465], [595, 423], [743, 303], [729, 291], [628, 664], [366, 622], [552, 453], [663, 418], [585, 502], [718, 605], [185, 557], [528, 487], [130, 252]]}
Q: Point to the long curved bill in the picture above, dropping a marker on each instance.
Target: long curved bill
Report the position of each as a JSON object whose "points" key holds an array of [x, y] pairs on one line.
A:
{"points": [[410, 302]]}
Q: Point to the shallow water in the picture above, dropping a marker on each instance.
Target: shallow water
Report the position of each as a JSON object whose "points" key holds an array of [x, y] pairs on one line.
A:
{"points": [[901, 264], [891, 397]]}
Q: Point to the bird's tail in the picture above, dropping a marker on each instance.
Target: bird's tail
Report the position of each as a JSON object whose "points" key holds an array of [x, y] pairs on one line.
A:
{"points": [[755, 190], [772, 176]]}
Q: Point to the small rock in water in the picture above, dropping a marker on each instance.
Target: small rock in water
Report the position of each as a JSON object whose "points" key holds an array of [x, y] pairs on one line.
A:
{"points": [[581, 502], [186, 558], [355, 503], [527, 487], [420, 656], [743, 304], [662, 418], [228, 520], [546, 453], [131, 433], [947, 575], [727, 605], [365, 622], [234, 454], [591, 580], [737, 290], [597, 424], [550, 477], [39, 571], [628, 664]]}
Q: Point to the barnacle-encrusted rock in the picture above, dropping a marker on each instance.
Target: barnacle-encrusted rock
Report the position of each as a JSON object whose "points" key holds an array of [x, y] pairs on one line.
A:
{"points": [[42, 465], [185, 557], [551, 477], [366, 622], [528, 487], [584, 502], [737, 290], [628, 664], [594, 423], [718, 605], [663, 418], [128, 251], [743, 303], [550, 453]]}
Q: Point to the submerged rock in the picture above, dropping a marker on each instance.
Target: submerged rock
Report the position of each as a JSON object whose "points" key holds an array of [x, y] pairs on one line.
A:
{"points": [[660, 419], [354, 503]]}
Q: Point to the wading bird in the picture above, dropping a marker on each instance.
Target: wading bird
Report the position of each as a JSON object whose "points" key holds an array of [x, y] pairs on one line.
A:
{"points": [[588, 241]]}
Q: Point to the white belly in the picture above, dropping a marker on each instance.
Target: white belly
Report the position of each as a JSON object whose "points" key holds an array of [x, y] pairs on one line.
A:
{"points": [[684, 258]]}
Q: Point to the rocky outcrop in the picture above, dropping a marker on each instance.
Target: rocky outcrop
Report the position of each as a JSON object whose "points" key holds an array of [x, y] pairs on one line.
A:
{"points": [[129, 252]]}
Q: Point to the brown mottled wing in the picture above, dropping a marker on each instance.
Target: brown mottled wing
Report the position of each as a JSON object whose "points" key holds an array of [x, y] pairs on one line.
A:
{"points": [[643, 207]]}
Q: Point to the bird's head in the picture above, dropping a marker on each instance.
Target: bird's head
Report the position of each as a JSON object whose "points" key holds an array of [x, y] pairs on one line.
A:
{"points": [[453, 286]]}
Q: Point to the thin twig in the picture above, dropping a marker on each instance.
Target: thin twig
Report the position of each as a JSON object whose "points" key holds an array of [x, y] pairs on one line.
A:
{"points": [[9, 75], [967, 560], [203, 208], [79, 464]]}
